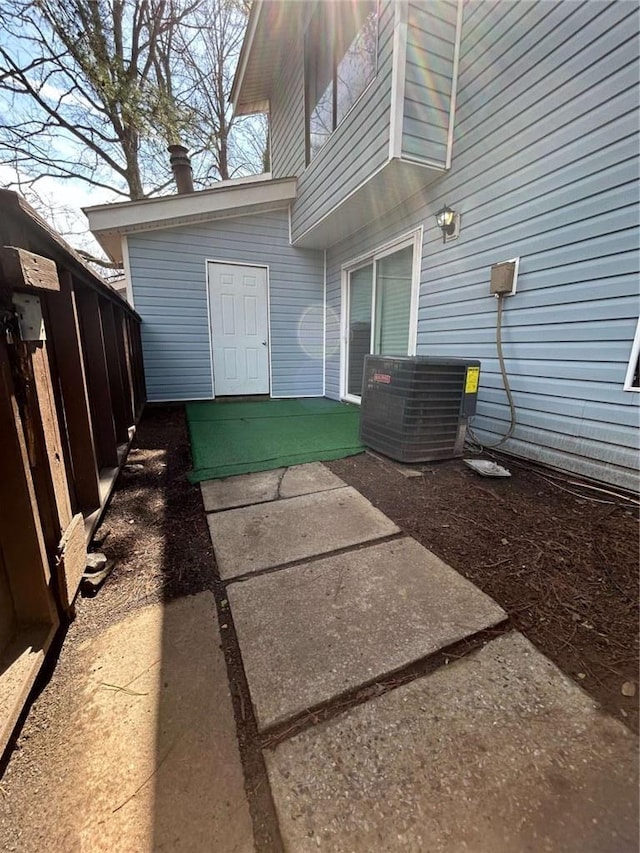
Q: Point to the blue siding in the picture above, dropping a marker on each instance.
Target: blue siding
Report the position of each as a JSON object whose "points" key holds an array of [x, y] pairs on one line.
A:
{"points": [[168, 270], [431, 35], [287, 115], [544, 167], [357, 149]]}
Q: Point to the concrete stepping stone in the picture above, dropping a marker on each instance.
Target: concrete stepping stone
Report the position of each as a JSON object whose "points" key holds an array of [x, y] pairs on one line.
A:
{"points": [[311, 632], [242, 490], [308, 478], [495, 753], [263, 486], [261, 537]]}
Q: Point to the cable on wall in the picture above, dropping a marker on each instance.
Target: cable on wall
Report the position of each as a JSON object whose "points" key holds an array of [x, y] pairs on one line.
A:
{"points": [[474, 441]]}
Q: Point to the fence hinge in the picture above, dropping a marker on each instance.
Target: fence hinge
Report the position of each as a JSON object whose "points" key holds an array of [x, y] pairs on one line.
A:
{"points": [[29, 314]]}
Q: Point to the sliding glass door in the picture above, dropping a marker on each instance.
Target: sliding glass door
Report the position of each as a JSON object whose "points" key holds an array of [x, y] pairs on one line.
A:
{"points": [[379, 299]]}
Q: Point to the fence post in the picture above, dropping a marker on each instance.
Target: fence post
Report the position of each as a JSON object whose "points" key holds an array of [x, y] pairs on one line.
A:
{"points": [[40, 416], [23, 271], [137, 360], [122, 341]]}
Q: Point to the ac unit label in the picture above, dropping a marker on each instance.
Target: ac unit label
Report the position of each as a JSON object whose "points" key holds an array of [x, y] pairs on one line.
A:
{"points": [[472, 381]]}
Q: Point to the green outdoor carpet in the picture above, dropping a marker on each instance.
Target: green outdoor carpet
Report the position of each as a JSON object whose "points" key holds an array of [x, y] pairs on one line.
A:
{"points": [[239, 438]]}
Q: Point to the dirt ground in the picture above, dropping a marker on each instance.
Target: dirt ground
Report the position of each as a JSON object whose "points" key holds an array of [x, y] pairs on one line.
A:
{"points": [[564, 567]]}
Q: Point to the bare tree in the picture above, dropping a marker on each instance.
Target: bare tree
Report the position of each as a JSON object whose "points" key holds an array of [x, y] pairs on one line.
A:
{"points": [[96, 89], [206, 49], [80, 80]]}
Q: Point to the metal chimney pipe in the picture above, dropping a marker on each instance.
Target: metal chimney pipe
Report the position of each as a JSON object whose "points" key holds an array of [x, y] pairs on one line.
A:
{"points": [[181, 166]]}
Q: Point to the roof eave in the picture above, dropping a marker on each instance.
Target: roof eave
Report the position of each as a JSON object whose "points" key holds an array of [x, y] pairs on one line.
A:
{"points": [[109, 223], [272, 26], [245, 52]]}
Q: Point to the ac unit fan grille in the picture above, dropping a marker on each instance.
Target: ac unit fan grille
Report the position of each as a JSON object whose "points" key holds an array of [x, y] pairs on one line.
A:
{"points": [[415, 409]]}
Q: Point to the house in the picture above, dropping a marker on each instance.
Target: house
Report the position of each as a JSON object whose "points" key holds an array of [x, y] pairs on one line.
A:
{"points": [[519, 119]]}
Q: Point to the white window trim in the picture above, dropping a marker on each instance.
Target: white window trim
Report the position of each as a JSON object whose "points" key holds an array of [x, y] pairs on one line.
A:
{"points": [[413, 238], [633, 357]]}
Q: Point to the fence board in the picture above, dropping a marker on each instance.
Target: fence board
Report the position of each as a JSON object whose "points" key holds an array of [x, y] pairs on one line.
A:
{"points": [[65, 336], [44, 443], [121, 419], [71, 560], [21, 539], [95, 366], [22, 269]]}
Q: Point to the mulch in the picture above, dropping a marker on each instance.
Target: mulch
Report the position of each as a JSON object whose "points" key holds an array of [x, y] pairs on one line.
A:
{"points": [[157, 531], [564, 566]]}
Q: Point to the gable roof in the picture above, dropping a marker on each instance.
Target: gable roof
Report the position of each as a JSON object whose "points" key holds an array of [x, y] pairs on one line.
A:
{"points": [[237, 197]]}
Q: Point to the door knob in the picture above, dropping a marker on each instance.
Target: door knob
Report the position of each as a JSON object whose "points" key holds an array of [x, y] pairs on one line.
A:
{"points": [[264, 343]]}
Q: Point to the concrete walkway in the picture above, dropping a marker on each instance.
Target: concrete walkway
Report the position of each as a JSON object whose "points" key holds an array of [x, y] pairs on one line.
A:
{"points": [[491, 748], [137, 750]]}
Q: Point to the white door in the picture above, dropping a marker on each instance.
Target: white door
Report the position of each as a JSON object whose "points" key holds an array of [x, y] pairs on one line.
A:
{"points": [[239, 329]]}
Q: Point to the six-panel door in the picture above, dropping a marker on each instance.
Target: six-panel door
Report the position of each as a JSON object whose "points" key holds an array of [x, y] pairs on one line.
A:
{"points": [[239, 329]]}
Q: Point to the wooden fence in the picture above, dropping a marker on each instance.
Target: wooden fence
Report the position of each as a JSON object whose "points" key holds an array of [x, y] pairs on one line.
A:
{"points": [[71, 392]]}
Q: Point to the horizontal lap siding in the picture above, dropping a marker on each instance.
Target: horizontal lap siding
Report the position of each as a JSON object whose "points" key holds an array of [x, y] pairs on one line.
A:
{"points": [[544, 167], [548, 173], [356, 149], [429, 79], [168, 270], [287, 116]]}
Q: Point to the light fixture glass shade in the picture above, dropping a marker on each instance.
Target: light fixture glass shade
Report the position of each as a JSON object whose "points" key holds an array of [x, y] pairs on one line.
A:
{"points": [[445, 217]]}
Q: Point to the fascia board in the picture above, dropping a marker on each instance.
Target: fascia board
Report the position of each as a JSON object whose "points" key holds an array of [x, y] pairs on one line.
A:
{"points": [[119, 218]]}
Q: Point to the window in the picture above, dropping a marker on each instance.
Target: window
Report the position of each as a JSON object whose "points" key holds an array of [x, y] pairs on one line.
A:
{"points": [[632, 379], [340, 51], [379, 297]]}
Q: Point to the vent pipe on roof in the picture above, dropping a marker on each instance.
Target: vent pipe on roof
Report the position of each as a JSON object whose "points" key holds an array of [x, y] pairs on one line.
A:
{"points": [[181, 165]]}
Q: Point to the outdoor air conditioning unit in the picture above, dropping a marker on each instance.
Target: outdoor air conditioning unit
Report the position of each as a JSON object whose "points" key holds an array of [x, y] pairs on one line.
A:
{"points": [[416, 409]]}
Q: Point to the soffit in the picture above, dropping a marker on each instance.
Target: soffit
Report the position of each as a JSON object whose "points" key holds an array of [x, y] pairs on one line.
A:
{"points": [[273, 26]]}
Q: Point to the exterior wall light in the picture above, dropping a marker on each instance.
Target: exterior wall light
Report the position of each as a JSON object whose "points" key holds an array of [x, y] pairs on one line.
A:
{"points": [[449, 221]]}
